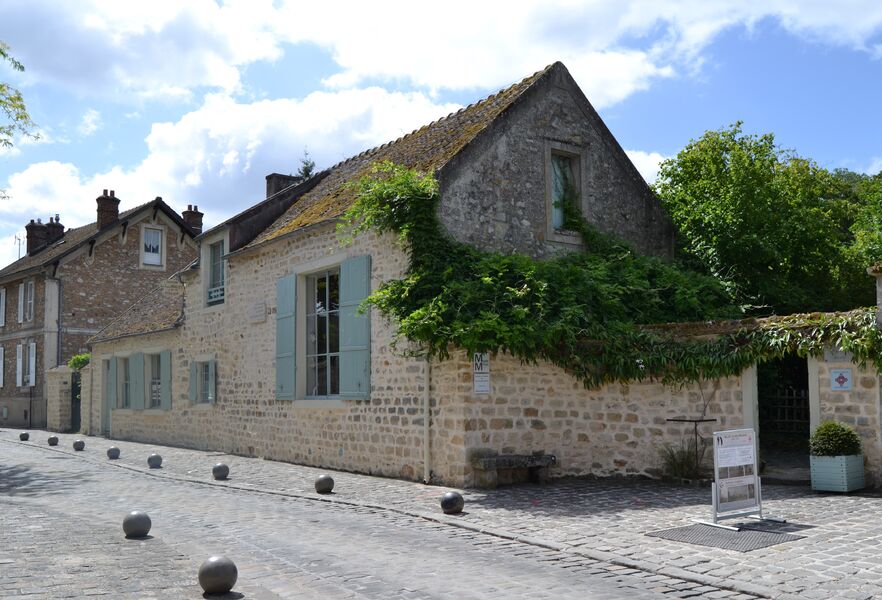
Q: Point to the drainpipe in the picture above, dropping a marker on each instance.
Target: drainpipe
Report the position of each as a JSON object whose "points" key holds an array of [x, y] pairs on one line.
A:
{"points": [[427, 419]]}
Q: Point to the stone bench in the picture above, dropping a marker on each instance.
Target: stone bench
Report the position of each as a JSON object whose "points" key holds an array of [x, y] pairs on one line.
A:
{"points": [[487, 465]]}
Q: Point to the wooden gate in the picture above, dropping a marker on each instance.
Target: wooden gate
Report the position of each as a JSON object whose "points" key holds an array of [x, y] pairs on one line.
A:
{"points": [[75, 410]]}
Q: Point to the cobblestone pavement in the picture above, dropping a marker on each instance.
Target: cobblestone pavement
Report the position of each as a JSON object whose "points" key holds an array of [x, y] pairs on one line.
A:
{"points": [[60, 534]]}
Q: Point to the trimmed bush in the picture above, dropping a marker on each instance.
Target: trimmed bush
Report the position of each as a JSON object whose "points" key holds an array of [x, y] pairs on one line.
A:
{"points": [[834, 439]]}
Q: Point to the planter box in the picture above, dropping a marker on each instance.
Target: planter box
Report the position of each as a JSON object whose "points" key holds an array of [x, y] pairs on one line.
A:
{"points": [[837, 473]]}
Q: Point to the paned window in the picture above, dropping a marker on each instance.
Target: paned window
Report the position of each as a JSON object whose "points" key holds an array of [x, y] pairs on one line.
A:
{"points": [[564, 188], [152, 246], [155, 381], [216, 273], [323, 334]]}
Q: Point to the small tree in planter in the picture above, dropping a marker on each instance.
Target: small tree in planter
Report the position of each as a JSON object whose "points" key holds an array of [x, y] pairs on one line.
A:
{"points": [[836, 461]]}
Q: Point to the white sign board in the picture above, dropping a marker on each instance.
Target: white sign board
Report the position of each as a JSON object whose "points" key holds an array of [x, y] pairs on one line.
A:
{"points": [[736, 481], [481, 372]]}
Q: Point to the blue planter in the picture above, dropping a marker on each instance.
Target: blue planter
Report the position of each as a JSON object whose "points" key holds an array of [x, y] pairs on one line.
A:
{"points": [[837, 473]]}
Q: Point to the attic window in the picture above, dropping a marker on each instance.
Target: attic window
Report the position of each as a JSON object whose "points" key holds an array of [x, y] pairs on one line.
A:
{"points": [[565, 192], [152, 246]]}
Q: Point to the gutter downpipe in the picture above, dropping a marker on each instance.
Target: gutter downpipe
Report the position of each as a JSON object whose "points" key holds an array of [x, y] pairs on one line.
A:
{"points": [[427, 419]]}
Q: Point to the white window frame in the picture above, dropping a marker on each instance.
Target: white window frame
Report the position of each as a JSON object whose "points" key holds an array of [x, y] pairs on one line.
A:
{"points": [[26, 364], [205, 269], [203, 385], [574, 154], [30, 289], [312, 311], [216, 289], [123, 382], [163, 250], [152, 373], [2, 306], [2, 366]]}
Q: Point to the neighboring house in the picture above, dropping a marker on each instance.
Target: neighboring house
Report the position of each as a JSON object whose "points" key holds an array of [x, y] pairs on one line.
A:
{"points": [[70, 284], [260, 350]]}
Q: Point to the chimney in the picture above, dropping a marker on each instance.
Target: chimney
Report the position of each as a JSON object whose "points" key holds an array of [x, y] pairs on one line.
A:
{"points": [[108, 209], [54, 230], [276, 182], [36, 235], [193, 218]]}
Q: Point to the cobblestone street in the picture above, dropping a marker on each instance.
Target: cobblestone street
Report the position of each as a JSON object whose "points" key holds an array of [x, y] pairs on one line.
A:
{"points": [[60, 511]]}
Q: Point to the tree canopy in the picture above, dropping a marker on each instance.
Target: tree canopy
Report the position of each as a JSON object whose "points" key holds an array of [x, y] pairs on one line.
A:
{"points": [[15, 115], [782, 233]]}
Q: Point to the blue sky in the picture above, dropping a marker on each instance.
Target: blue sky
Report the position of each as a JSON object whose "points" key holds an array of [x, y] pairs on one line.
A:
{"points": [[197, 101]]}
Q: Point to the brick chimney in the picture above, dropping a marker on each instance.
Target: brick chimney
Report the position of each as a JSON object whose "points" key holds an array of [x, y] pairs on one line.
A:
{"points": [[108, 209], [276, 182], [193, 218], [54, 230], [36, 235]]}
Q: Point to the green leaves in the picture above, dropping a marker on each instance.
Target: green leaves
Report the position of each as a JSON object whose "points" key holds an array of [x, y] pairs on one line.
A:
{"points": [[834, 439], [582, 311], [12, 106]]}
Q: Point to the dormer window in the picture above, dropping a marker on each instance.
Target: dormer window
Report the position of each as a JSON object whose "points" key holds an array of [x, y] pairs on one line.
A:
{"points": [[152, 251], [216, 273]]}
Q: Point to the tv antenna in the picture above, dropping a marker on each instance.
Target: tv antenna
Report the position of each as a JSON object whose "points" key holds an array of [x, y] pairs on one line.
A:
{"points": [[18, 242]]}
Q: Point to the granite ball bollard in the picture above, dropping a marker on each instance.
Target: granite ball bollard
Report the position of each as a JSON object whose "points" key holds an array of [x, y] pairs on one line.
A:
{"points": [[452, 503], [154, 461], [24, 436], [79, 445], [218, 575], [220, 471], [53, 440], [324, 484], [113, 453], [136, 524]]}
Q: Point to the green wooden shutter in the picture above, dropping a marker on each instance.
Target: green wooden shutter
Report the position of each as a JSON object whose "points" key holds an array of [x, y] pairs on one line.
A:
{"points": [[355, 328], [136, 367], [165, 379], [194, 380], [286, 338], [111, 383], [212, 381]]}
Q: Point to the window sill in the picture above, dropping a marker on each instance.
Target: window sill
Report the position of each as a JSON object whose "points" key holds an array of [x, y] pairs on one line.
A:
{"points": [[328, 402], [155, 411], [202, 405]]}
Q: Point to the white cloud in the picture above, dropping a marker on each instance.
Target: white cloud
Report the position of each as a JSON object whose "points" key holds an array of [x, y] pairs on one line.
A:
{"points": [[90, 122], [875, 166], [647, 163], [217, 155]]}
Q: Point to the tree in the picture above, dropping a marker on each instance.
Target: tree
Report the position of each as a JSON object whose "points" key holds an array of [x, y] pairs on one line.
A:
{"points": [[784, 234], [15, 115], [307, 166]]}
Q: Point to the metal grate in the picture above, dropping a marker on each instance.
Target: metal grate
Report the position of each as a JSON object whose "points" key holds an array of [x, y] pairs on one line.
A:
{"points": [[740, 541], [786, 410]]}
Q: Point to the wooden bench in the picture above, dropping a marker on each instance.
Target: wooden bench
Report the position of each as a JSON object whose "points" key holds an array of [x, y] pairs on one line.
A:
{"points": [[487, 464]]}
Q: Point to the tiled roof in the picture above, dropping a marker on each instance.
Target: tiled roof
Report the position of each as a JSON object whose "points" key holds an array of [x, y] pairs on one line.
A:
{"points": [[161, 309], [426, 149], [72, 239]]}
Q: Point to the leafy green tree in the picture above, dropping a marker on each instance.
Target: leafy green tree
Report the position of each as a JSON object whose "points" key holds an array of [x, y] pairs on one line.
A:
{"points": [[15, 115], [307, 166], [782, 233]]}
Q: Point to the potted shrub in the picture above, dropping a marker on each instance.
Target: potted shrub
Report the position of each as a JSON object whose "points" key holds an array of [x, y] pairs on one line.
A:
{"points": [[836, 461]]}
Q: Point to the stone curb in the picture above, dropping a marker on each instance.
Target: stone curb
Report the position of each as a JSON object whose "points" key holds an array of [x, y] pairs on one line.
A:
{"points": [[596, 555]]}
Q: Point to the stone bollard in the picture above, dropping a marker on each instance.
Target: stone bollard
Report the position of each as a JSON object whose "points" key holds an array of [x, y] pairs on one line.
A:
{"points": [[324, 484], [24, 436], [53, 440], [154, 461], [452, 503], [220, 471], [218, 575], [78, 445], [136, 524], [113, 453]]}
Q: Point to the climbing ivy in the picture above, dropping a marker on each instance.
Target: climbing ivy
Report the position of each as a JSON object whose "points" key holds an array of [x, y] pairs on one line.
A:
{"points": [[589, 312]]}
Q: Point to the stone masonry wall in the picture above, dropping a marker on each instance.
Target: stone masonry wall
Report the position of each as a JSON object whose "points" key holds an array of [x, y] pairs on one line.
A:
{"points": [[20, 401], [382, 435], [58, 400], [618, 429], [859, 407], [495, 193]]}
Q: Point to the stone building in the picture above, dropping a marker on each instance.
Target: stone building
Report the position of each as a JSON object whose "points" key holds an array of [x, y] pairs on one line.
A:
{"points": [[70, 284], [259, 350]]}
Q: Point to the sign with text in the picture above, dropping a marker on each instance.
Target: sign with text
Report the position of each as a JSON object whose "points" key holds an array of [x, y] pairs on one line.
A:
{"points": [[735, 471], [481, 372]]}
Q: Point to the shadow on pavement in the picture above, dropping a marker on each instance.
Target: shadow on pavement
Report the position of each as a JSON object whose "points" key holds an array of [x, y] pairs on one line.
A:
{"points": [[24, 481]]}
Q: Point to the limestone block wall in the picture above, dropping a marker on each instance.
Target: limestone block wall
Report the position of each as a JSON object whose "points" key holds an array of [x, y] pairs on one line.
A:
{"points": [[381, 435], [58, 400], [618, 429], [858, 407]]}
